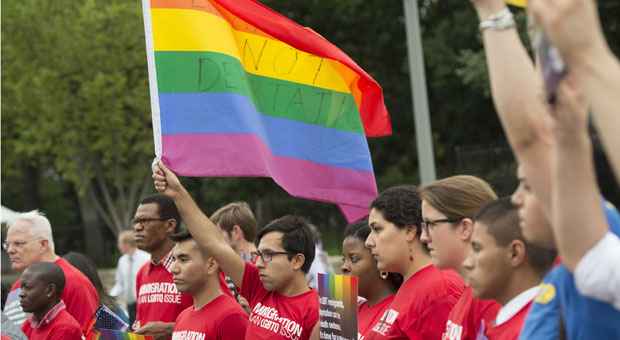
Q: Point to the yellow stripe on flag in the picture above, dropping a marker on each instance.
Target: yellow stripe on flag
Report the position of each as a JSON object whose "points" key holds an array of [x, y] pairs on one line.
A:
{"points": [[191, 30], [518, 3]]}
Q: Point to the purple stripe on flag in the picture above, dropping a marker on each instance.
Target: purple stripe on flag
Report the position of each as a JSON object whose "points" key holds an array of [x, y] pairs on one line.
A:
{"points": [[237, 155]]}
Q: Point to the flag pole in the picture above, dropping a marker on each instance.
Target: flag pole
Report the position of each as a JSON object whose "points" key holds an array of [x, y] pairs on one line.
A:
{"points": [[417, 77]]}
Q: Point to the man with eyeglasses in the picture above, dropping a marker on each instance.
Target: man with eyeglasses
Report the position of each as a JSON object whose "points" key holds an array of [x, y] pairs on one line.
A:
{"points": [[283, 306], [29, 240], [158, 302]]}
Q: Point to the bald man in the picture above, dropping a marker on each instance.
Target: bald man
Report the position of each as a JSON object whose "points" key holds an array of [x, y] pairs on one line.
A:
{"points": [[29, 240], [42, 286]]}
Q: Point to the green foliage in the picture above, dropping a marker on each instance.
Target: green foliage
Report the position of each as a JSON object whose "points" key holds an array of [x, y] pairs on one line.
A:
{"points": [[75, 102]]}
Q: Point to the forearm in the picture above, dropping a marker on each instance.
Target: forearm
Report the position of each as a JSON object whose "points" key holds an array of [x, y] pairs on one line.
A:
{"points": [[600, 79], [209, 236], [516, 88], [578, 219]]}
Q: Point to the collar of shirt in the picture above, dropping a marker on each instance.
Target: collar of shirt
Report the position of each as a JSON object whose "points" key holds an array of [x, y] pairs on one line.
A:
{"points": [[49, 316], [166, 261], [515, 305]]}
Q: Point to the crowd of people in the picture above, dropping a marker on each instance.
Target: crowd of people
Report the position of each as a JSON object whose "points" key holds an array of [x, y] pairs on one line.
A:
{"points": [[445, 260]]}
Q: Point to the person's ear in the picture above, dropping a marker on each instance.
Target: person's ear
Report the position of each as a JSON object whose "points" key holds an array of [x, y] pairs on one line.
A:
{"points": [[237, 232], [465, 229], [517, 253], [212, 266], [298, 261], [411, 232], [50, 290], [171, 226]]}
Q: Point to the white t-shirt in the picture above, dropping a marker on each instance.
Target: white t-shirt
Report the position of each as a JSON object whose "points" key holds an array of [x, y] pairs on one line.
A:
{"points": [[597, 275]]}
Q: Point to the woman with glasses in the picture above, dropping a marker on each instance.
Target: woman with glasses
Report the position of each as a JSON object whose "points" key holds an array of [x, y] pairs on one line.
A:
{"points": [[448, 207], [377, 288], [421, 306]]}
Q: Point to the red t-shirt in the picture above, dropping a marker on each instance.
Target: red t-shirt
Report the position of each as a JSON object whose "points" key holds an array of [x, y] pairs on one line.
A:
{"points": [[421, 306], [510, 329], [79, 294], [224, 285], [157, 296], [368, 316], [220, 319], [62, 327], [464, 319], [275, 316]]}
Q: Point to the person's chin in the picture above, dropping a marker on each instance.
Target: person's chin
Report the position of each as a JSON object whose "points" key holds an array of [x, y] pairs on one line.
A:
{"points": [[26, 308], [18, 267]]}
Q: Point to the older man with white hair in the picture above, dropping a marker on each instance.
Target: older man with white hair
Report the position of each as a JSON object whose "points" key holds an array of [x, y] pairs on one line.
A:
{"points": [[29, 240]]}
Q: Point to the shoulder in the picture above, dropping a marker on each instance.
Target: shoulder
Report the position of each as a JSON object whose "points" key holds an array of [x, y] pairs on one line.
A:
{"points": [[66, 321], [613, 217], [185, 314]]}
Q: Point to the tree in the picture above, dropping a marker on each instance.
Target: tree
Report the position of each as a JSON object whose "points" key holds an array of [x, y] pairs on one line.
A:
{"points": [[76, 102]]}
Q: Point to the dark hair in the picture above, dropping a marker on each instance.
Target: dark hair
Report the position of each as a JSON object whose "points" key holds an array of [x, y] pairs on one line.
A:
{"points": [[167, 208], [360, 230], [297, 237], [181, 236], [400, 205], [236, 213], [502, 221], [87, 266], [49, 273]]}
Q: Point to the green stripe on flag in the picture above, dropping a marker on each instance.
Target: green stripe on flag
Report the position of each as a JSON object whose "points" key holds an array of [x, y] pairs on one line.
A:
{"points": [[191, 72]]}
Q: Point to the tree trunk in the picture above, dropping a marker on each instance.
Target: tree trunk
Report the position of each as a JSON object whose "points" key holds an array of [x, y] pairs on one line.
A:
{"points": [[31, 188], [92, 227]]}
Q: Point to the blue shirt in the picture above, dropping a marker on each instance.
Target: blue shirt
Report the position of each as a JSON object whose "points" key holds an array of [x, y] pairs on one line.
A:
{"points": [[559, 302]]}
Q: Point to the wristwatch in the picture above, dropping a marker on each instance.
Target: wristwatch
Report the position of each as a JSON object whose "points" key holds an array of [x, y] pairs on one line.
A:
{"points": [[499, 21]]}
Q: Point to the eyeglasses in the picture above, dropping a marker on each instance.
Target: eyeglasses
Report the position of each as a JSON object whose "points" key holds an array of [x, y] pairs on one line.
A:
{"points": [[267, 256], [144, 221], [17, 244], [430, 224]]}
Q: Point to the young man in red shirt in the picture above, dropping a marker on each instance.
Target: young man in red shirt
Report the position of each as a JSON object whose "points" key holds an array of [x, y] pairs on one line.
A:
{"points": [[42, 285], [30, 240], [214, 315], [283, 306], [502, 266], [158, 302]]}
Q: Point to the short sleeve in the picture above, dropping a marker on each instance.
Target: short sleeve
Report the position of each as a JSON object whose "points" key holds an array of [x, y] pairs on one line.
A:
{"points": [[597, 275], [233, 327]]}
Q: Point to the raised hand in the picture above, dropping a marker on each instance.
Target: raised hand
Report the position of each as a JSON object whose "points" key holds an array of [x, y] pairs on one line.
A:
{"points": [[573, 26], [165, 181]]}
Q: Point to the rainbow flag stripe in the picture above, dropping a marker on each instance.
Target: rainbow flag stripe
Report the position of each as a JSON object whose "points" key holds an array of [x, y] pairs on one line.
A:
{"points": [[108, 334], [239, 90], [518, 3], [343, 288]]}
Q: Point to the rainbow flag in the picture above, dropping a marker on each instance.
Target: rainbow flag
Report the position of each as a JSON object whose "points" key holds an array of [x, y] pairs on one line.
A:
{"points": [[108, 334], [239, 90], [338, 306]]}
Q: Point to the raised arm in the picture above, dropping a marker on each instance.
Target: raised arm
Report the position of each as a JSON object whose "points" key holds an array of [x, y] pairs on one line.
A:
{"points": [[517, 94], [578, 218], [205, 232], [574, 28]]}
